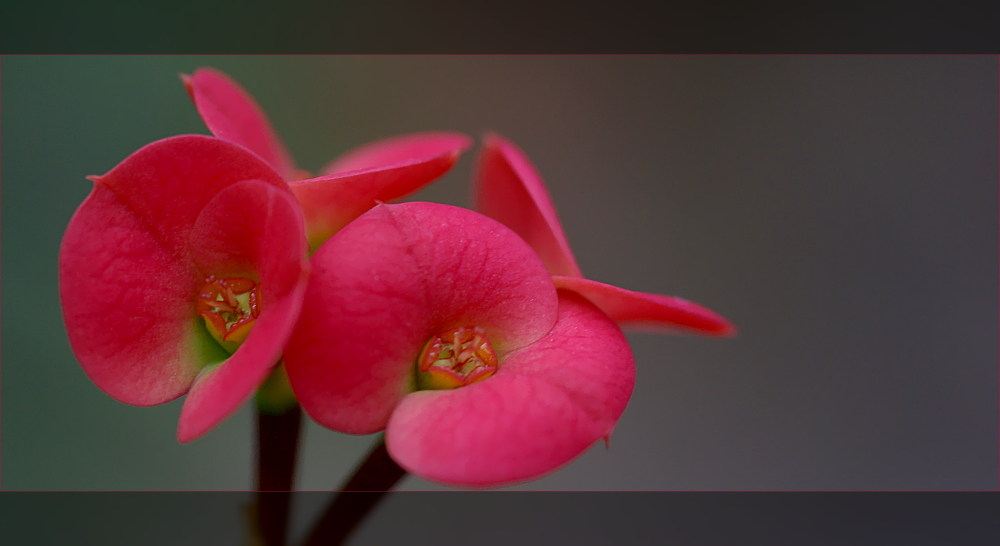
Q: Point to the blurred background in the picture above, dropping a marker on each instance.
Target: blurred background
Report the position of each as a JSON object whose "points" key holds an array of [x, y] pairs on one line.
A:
{"points": [[842, 211]]}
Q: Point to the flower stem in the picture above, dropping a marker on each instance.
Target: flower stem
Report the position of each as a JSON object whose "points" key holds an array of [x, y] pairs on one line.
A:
{"points": [[277, 442], [370, 482]]}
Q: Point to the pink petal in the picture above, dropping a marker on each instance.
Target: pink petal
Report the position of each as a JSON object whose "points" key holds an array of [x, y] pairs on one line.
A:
{"points": [[232, 114], [249, 229], [127, 283], [128, 305], [383, 171], [509, 189], [546, 405], [168, 182], [400, 150], [386, 283], [644, 311]]}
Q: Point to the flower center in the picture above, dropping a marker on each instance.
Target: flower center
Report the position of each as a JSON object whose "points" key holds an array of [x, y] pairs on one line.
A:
{"points": [[229, 305], [455, 358]]}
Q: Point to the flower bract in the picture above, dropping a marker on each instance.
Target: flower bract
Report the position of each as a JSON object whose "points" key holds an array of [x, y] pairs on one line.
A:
{"points": [[528, 376], [184, 231]]}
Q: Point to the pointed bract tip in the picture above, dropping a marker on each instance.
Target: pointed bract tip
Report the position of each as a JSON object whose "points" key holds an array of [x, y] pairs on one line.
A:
{"points": [[184, 437], [188, 84], [187, 432], [607, 442], [727, 329], [492, 139]]}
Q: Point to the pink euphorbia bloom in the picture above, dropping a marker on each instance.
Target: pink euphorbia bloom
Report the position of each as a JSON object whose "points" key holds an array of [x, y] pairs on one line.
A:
{"points": [[509, 189], [383, 171], [480, 371], [188, 239]]}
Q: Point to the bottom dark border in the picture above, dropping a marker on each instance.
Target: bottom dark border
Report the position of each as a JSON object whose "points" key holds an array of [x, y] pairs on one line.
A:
{"points": [[485, 518]]}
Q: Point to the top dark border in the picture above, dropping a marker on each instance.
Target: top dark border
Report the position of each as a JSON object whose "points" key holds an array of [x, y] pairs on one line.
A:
{"points": [[513, 26]]}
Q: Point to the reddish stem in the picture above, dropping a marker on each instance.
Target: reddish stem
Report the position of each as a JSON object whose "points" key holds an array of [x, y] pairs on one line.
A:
{"points": [[367, 486], [277, 443]]}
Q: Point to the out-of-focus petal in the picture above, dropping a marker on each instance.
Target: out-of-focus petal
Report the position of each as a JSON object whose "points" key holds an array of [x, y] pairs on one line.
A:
{"points": [[400, 150], [250, 229], [648, 312], [386, 283], [508, 188], [127, 283], [232, 114], [382, 171], [547, 404]]}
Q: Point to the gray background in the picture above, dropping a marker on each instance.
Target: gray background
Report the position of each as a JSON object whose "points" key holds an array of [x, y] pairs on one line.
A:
{"points": [[842, 211]]}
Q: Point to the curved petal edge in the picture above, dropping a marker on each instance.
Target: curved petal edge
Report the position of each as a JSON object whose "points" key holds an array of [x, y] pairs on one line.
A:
{"points": [[648, 312]]}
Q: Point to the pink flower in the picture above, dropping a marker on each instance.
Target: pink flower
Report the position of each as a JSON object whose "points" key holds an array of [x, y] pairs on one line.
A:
{"points": [[509, 190], [443, 327], [187, 239], [383, 171]]}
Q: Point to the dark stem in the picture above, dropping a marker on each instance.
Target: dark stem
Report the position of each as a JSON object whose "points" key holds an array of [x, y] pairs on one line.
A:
{"points": [[370, 482], [277, 443]]}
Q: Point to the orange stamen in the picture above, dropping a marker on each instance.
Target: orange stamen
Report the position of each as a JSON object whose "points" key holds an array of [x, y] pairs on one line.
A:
{"points": [[455, 358], [229, 306]]}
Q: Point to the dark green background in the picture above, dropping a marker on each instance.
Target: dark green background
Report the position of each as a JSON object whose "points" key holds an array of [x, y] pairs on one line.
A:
{"points": [[842, 211]]}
